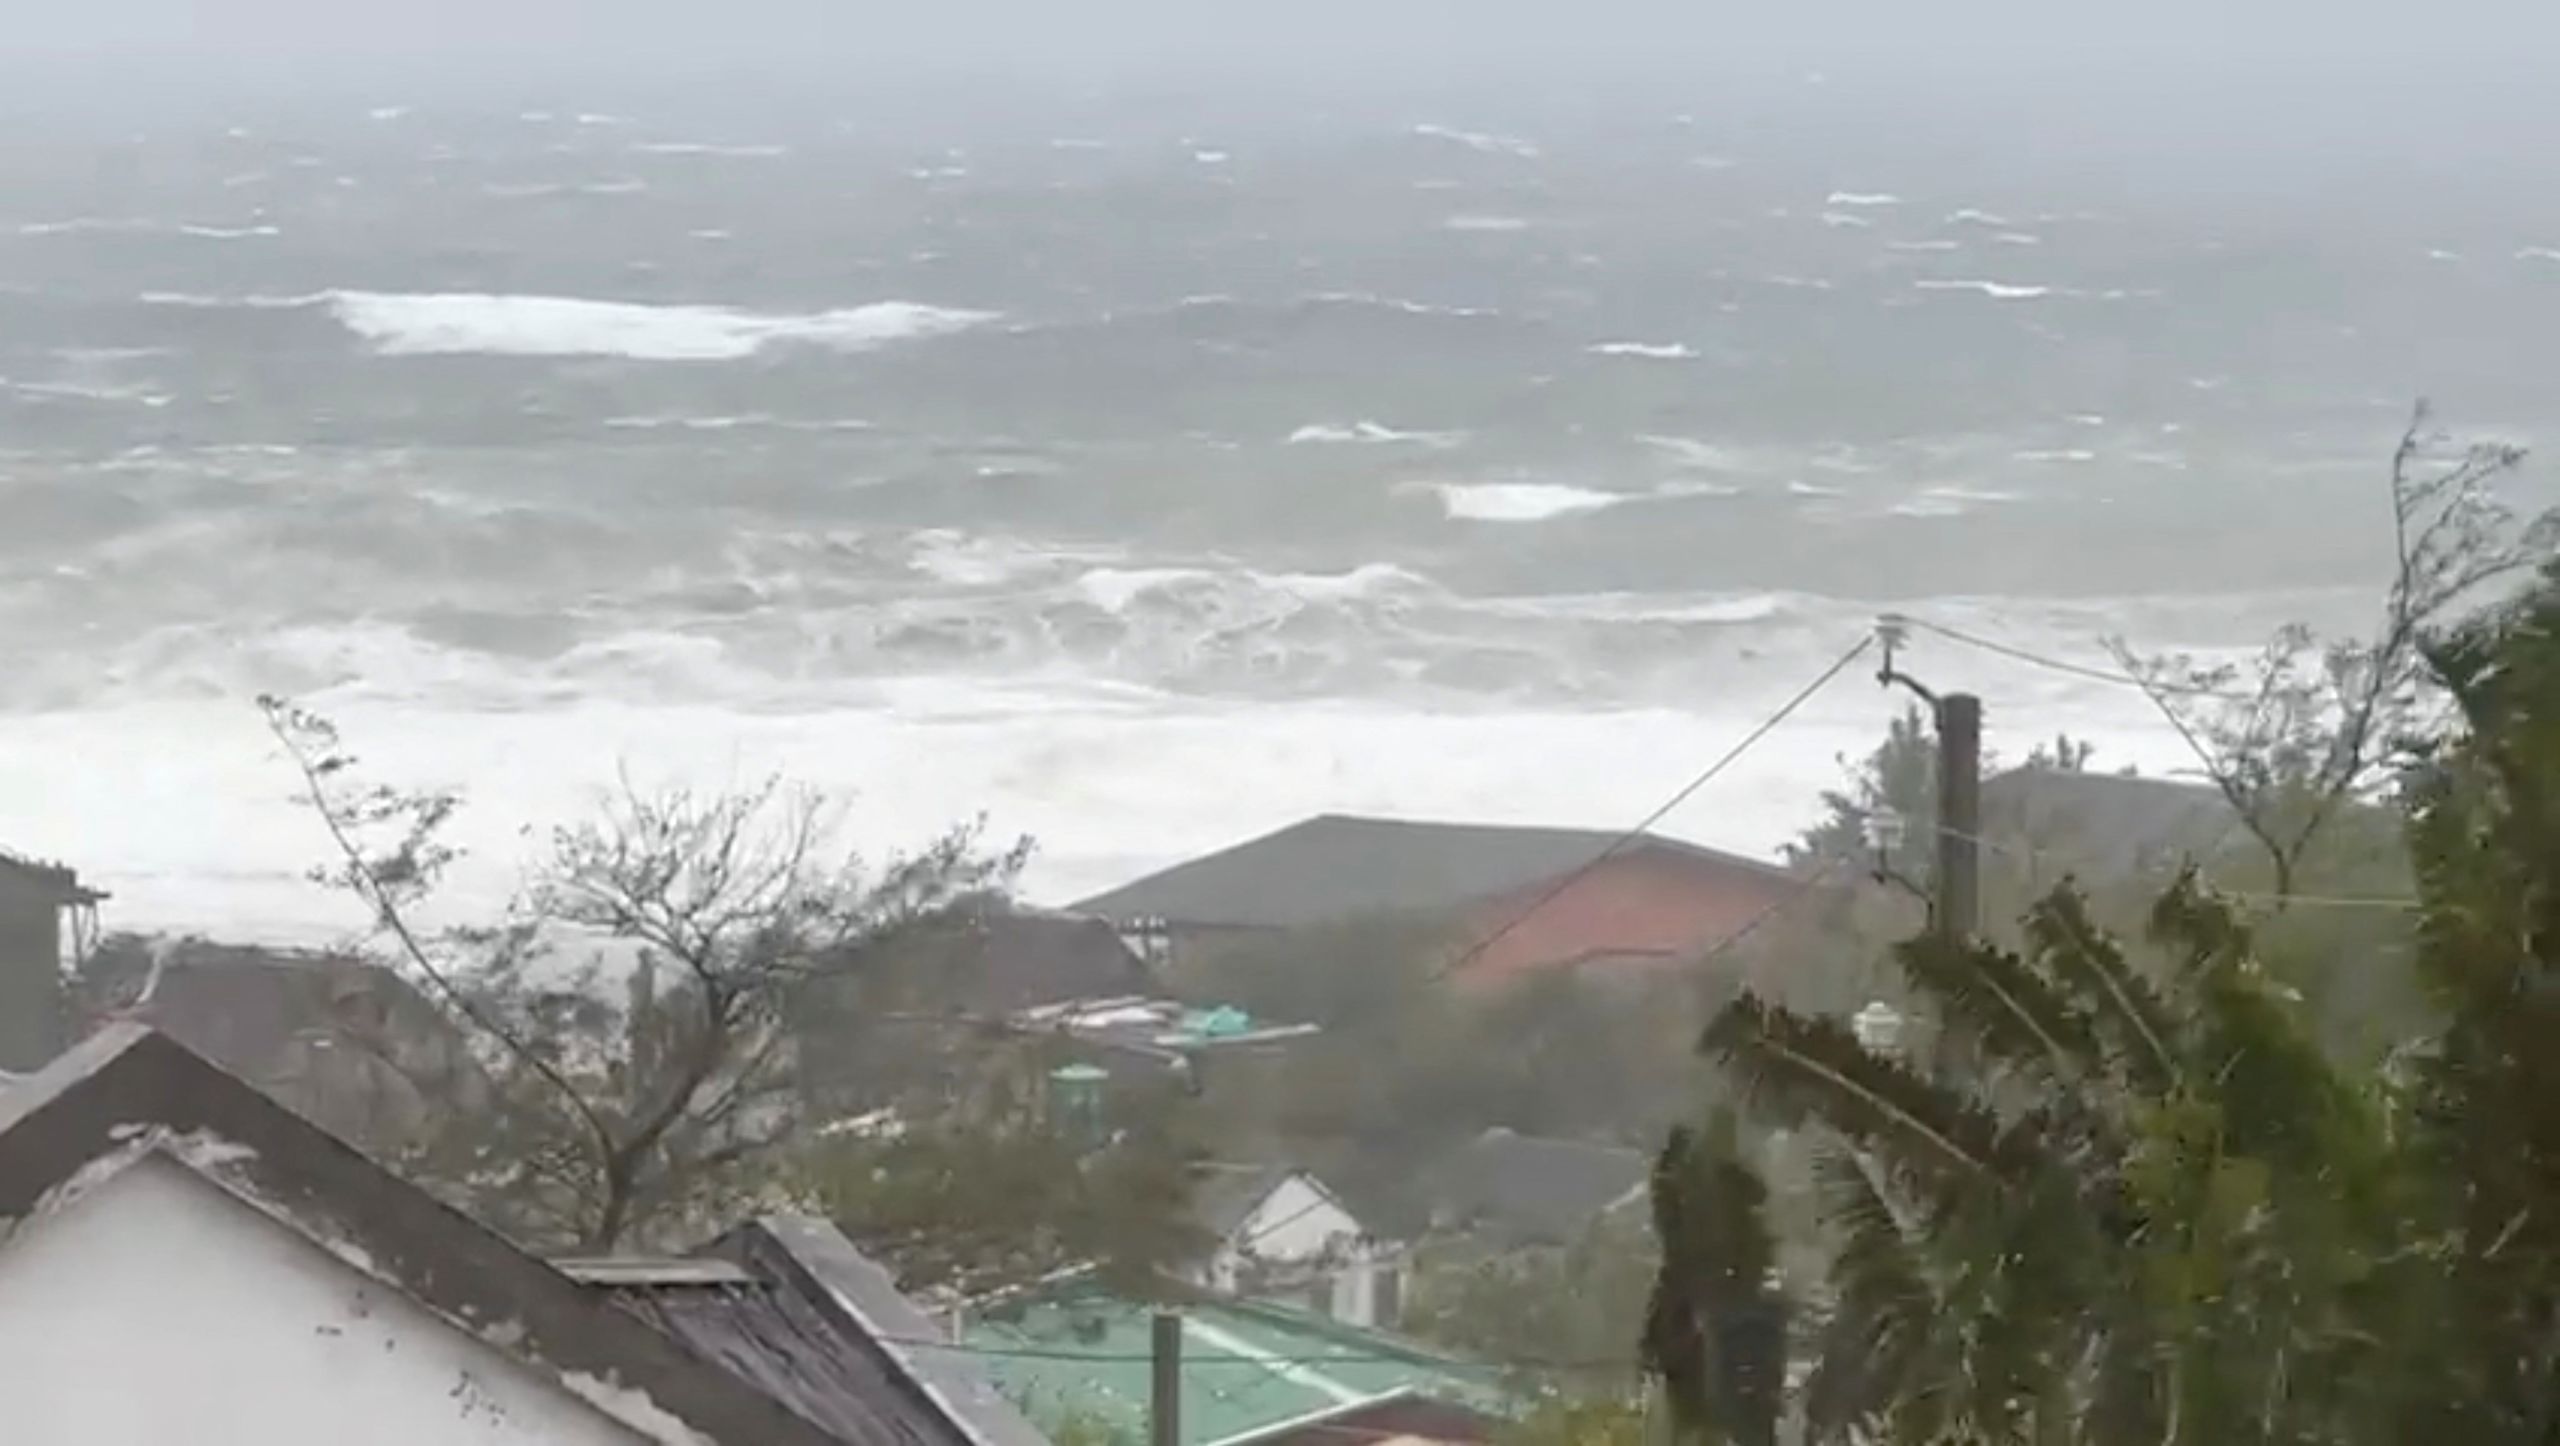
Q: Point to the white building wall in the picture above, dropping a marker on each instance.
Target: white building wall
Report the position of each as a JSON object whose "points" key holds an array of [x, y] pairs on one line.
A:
{"points": [[158, 1309], [1297, 1222]]}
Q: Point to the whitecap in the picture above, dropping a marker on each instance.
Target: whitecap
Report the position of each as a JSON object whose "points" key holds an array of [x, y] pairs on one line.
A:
{"points": [[1690, 452], [1957, 492], [1996, 290], [711, 149], [387, 112], [404, 324], [1483, 141], [201, 302], [1646, 350], [1862, 198], [1971, 217], [1842, 220], [2018, 238], [229, 233], [79, 225], [2438, 253], [1485, 223], [1372, 432], [1520, 501], [2539, 253], [1395, 303], [2056, 454], [1212, 158], [1801, 488], [1923, 246]]}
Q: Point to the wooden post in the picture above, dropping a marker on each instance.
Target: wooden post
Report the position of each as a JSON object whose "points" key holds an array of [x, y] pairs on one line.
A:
{"points": [[1959, 816], [1164, 1403]]}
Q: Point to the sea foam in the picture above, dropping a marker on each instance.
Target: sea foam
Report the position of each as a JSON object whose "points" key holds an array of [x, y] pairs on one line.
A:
{"points": [[406, 324]]}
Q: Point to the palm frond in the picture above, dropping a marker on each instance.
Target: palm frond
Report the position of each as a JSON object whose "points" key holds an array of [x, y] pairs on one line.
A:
{"points": [[1804, 1067], [2001, 1004], [2081, 959], [1882, 1310]]}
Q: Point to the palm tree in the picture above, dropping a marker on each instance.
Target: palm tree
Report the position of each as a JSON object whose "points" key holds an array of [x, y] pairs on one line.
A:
{"points": [[2143, 1208], [2484, 836]]}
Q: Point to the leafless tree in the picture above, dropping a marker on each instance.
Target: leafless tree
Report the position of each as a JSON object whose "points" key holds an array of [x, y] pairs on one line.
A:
{"points": [[2309, 726], [622, 1118]]}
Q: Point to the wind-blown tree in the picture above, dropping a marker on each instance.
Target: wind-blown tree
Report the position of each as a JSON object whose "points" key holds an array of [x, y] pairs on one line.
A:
{"points": [[978, 1200], [640, 1089], [2308, 727], [2155, 1212], [2485, 844], [1715, 1330]]}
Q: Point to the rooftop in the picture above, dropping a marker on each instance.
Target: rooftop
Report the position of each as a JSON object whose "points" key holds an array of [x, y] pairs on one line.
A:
{"points": [[789, 1306], [127, 1094], [57, 879], [1336, 866], [1079, 1353], [1530, 1188], [1157, 1026]]}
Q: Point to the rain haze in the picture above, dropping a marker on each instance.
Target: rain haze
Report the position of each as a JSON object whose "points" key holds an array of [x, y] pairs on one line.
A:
{"points": [[1392, 503]]}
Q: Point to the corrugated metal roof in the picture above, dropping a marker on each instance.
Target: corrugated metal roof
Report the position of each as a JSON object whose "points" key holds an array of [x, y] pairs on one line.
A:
{"points": [[1336, 867], [1080, 1353]]}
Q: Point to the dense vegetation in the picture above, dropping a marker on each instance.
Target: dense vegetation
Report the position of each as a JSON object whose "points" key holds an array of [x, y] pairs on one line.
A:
{"points": [[2103, 1193]]}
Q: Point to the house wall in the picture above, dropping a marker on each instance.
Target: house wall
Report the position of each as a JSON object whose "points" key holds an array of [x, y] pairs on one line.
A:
{"points": [[158, 1309], [1298, 1223], [1644, 904], [30, 971]]}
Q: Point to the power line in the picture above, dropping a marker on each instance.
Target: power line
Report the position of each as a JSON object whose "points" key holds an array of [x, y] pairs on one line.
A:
{"points": [[2081, 670], [1752, 925], [1731, 755], [1338, 1358], [2035, 856]]}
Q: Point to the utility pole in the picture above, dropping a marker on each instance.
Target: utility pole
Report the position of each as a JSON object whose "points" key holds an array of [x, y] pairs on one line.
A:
{"points": [[1956, 898], [1164, 1401], [1959, 816]]}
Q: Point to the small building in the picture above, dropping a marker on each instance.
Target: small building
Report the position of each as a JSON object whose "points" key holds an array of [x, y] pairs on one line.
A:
{"points": [[1518, 900], [790, 1306], [1281, 1235], [46, 916], [188, 1260], [1253, 1373], [1510, 1189]]}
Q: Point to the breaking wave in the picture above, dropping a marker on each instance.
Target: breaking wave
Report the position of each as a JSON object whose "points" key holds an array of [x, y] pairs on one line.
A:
{"points": [[444, 324]]}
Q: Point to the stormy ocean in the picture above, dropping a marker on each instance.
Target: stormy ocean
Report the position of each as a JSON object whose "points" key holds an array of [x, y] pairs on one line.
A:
{"points": [[1144, 472]]}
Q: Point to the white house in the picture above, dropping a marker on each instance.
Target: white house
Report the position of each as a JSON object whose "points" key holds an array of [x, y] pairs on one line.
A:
{"points": [[1281, 1235], [186, 1260]]}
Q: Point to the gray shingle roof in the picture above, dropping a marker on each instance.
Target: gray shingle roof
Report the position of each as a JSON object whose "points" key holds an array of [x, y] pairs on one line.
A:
{"points": [[1337, 866], [1531, 1189]]}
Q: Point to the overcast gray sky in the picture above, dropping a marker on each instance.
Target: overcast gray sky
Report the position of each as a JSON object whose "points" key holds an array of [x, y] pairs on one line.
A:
{"points": [[1956, 35]]}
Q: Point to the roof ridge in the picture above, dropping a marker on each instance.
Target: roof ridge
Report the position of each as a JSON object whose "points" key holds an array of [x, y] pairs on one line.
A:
{"points": [[130, 1093]]}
